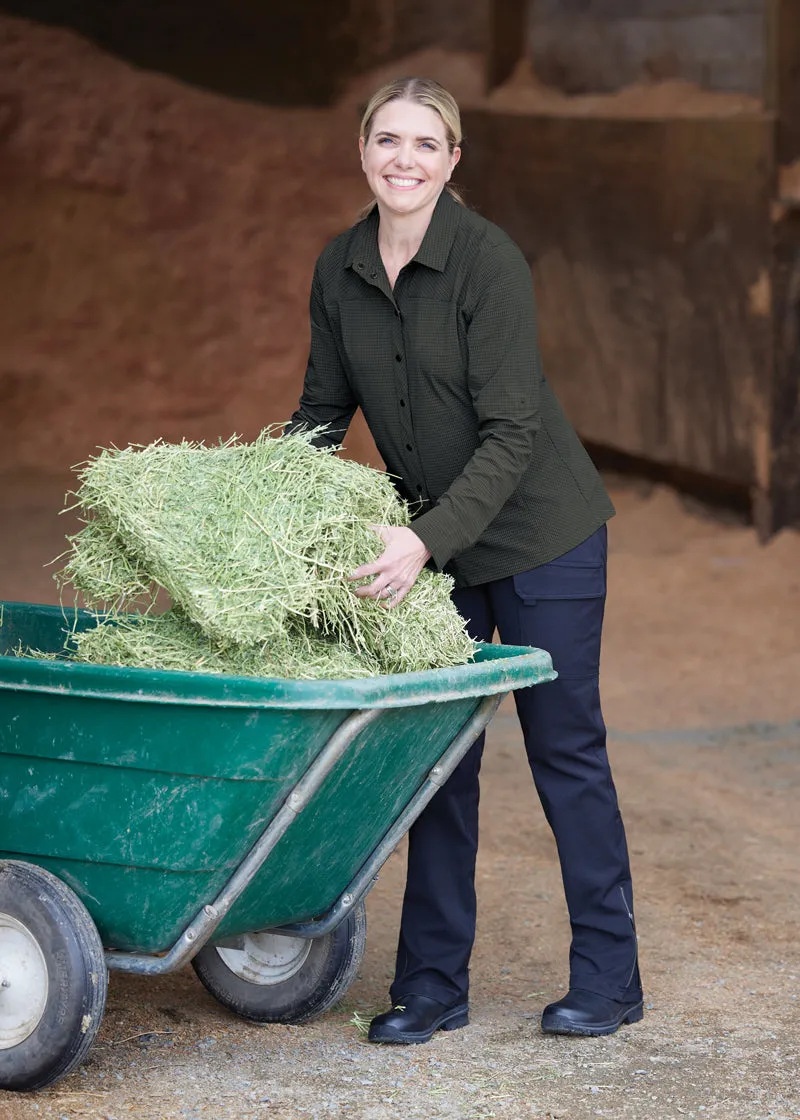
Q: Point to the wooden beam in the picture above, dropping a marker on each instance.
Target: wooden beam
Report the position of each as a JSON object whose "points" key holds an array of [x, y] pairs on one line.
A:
{"points": [[782, 81], [508, 25], [777, 496]]}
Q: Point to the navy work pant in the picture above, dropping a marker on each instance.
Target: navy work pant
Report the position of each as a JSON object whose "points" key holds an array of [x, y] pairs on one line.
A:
{"points": [[557, 607]]}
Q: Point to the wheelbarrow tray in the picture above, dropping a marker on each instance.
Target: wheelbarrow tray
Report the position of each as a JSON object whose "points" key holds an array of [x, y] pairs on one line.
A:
{"points": [[144, 791]]}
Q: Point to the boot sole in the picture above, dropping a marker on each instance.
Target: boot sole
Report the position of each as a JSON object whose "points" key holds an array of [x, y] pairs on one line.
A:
{"points": [[452, 1021], [592, 1030]]}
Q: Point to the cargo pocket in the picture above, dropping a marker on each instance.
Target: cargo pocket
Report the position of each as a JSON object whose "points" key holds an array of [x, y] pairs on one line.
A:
{"points": [[578, 574], [560, 581]]}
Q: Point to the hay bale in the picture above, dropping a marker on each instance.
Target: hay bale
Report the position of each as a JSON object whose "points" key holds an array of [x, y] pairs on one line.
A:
{"points": [[253, 542]]}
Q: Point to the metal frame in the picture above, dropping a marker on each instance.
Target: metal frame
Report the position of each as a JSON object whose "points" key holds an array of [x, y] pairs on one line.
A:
{"points": [[201, 928], [367, 877]]}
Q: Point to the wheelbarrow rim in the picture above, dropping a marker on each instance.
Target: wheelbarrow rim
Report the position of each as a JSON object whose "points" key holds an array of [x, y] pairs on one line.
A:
{"points": [[499, 669]]}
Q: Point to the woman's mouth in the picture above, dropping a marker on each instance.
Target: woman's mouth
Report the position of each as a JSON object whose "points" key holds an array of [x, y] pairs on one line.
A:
{"points": [[400, 183]]}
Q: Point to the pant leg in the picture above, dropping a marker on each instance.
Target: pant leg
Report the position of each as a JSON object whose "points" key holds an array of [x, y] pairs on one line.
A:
{"points": [[565, 739], [437, 927]]}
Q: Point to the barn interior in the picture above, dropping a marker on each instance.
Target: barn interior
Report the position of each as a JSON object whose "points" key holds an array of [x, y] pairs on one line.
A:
{"points": [[169, 172]]}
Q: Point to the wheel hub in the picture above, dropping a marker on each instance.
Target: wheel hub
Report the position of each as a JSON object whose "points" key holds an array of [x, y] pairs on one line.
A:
{"points": [[266, 958], [24, 983]]}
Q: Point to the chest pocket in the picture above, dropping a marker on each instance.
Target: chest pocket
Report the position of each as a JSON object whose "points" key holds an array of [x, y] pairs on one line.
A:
{"points": [[370, 335], [434, 338]]}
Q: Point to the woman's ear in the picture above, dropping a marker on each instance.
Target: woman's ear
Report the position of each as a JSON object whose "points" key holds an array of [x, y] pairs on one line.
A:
{"points": [[455, 156]]}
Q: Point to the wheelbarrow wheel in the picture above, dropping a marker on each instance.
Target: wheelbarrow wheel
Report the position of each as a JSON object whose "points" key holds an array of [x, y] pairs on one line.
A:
{"points": [[272, 978], [53, 978]]}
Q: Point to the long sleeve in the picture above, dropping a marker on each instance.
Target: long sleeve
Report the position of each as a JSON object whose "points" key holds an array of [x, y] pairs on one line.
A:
{"points": [[504, 377], [327, 397]]}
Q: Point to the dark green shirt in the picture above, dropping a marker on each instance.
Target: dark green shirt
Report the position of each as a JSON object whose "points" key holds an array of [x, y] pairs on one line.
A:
{"points": [[446, 370]]}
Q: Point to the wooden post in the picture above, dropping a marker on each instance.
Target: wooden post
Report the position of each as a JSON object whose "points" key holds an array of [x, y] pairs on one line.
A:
{"points": [[776, 501], [507, 39]]}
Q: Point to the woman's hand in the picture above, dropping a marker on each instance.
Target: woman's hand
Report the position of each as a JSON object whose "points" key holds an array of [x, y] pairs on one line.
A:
{"points": [[397, 567]]}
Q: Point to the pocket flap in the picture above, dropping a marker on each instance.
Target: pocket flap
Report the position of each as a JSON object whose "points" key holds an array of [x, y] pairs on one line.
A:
{"points": [[560, 581]]}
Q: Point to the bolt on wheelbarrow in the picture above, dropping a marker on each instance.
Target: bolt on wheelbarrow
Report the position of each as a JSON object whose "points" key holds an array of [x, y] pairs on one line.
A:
{"points": [[148, 819]]}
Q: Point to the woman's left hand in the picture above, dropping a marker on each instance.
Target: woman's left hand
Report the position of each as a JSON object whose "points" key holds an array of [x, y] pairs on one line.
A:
{"points": [[397, 567]]}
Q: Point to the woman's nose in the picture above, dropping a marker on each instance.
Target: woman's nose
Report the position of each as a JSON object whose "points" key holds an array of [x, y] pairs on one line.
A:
{"points": [[405, 156]]}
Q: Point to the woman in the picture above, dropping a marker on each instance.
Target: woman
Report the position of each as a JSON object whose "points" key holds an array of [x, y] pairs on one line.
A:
{"points": [[422, 314]]}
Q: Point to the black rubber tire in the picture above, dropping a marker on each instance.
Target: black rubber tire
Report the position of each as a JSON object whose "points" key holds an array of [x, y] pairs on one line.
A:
{"points": [[320, 982], [77, 978]]}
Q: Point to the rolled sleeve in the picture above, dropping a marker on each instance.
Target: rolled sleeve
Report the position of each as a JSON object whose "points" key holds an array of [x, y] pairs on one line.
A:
{"points": [[504, 376]]}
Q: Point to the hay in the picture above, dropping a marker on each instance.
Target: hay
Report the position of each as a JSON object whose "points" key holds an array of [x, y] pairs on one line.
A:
{"points": [[253, 542], [171, 641]]}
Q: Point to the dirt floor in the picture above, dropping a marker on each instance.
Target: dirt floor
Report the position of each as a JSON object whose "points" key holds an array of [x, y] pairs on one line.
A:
{"points": [[701, 666]]}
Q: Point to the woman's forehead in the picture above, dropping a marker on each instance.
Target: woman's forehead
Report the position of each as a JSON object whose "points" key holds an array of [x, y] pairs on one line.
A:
{"points": [[403, 117]]}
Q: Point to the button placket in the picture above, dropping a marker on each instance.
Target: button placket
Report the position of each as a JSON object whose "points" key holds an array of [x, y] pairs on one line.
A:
{"points": [[406, 420]]}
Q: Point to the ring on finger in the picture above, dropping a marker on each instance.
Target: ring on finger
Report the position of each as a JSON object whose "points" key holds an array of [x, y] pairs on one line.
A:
{"points": [[390, 591]]}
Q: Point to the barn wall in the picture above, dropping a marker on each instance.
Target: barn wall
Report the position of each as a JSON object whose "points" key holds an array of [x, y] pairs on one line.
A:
{"points": [[596, 46], [398, 27], [649, 244], [301, 53], [243, 48]]}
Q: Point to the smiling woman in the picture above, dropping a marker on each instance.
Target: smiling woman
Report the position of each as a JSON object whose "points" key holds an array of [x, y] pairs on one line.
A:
{"points": [[409, 147], [423, 316]]}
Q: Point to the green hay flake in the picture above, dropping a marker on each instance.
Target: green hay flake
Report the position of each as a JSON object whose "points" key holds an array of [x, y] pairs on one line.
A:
{"points": [[171, 641], [253, 543]]}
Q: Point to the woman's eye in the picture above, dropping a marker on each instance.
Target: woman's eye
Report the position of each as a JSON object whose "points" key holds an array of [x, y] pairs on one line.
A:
{"points": [[385, 140], [430, 147]]}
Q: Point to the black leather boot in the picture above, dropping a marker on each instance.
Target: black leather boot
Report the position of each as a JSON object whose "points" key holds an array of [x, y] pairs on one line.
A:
{"points": [[581, 1012], [416, 1019]]}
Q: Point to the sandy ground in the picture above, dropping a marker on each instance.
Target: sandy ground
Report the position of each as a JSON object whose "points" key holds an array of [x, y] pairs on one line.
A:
{"points": [[701, 666]]}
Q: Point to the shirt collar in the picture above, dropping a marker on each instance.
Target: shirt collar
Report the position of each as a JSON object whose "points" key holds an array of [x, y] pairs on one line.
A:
{"points": [[436, 244], [440, 234]]}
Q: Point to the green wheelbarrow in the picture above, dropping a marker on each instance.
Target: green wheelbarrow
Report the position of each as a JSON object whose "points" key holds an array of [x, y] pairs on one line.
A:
{"points": [[148, 819]]}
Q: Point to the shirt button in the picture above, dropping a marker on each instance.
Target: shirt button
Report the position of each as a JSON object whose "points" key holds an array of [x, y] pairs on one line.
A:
{"points": [[419, 489], [372, 275], [402, 404], [409, 447], [398, 357]]}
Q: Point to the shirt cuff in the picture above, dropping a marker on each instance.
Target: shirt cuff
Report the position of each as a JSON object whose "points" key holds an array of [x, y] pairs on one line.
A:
{"points": [[436, 532]]}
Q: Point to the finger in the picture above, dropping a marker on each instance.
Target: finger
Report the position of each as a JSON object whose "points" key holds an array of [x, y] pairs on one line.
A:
{"points": [[391, 602], [373, 569], [384, 532], [381, 589], [374, 590]]}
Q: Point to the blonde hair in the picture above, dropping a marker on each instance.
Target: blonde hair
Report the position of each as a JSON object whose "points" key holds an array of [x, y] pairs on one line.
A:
{"points": [[422, 91]]}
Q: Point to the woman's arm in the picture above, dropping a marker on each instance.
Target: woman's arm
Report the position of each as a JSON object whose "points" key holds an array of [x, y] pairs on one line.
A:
{"points": [[327, 398]]}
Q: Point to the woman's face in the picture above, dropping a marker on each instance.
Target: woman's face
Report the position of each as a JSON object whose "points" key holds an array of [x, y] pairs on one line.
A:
{"points": [[405, 158]]}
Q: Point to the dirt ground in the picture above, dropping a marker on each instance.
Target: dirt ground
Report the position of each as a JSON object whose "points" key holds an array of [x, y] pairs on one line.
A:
{"points": [[700, 674]]}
